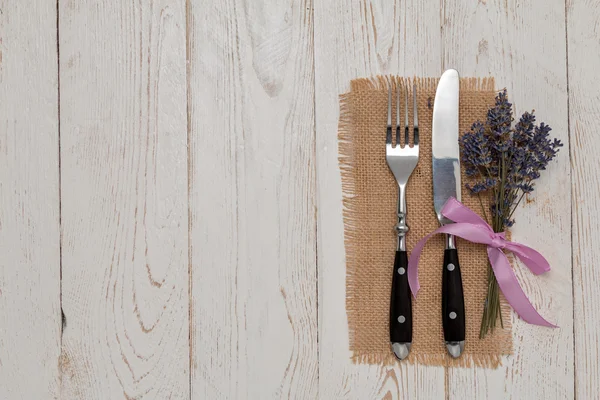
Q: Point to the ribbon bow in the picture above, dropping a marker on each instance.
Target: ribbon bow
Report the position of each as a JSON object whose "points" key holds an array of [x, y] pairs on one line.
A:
{"points": [[470, 226]]}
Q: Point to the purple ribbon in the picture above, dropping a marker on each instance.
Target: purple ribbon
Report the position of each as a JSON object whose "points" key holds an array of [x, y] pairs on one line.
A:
{"points": [[470, 226]]}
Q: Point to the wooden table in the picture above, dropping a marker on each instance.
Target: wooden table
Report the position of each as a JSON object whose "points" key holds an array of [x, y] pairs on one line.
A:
{"points": [[170, 198]]}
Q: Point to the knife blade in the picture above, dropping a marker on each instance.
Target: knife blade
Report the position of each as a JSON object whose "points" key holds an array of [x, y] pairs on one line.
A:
{"points": [[446, 184]]}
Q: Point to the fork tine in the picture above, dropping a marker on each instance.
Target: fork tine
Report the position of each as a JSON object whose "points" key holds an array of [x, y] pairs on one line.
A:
{"points": [[406, 116], [388, 139], [398, 115], [416, 115]]}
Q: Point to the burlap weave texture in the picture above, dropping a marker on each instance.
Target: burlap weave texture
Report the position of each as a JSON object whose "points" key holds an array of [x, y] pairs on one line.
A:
{"points": [[370, 196]]}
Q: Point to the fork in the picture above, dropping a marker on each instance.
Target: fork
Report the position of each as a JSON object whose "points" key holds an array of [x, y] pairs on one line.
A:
{"points": [[402, 161]]}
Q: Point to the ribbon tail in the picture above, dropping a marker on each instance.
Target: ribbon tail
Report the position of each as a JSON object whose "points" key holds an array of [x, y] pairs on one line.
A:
{"points": [[507, 280], [530, 257], [413, 264]]}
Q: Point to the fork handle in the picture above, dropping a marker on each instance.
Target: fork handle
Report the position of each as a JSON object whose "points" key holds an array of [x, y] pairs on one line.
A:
{"points": [[453, 302], [401, 302]]}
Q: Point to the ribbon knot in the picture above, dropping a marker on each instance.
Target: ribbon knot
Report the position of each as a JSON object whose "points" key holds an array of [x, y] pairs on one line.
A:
{"points": [[470, 226], [498, 241]]}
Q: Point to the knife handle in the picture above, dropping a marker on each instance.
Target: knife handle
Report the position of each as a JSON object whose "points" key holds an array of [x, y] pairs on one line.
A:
{"points": [[401, 302], [453, 302]]}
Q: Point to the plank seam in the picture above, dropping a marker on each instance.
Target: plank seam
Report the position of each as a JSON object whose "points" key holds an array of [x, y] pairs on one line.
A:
{"points": [[572, 209], [189, 183], [63, 318], [312, 17]]}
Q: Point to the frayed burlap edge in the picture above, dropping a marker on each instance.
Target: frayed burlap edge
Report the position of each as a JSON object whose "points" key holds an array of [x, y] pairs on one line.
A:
{"points": [[381, 82], [346, 164]]}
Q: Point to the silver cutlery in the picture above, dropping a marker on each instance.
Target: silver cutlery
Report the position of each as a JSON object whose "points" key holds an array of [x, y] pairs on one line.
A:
{"points": [[446, 184], [401, 160]]}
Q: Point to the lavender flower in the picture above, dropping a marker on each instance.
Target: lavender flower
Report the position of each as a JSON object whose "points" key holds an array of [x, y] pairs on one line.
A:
{"points": [[482, 186], [499, 119], [524, 128], [476, 150]]}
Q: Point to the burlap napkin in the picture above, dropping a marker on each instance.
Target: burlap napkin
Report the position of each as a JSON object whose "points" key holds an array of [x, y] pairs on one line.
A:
{"points": [[370, 195]]}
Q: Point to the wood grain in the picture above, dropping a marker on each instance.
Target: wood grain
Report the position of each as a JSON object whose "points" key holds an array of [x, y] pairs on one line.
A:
{"points": [[354, 39], [519, 43], [252, 200], [29, 202], [214, 184], [124, 200], [583, 20]]}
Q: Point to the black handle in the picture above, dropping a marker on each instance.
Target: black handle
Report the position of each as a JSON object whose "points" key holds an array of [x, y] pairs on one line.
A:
{"points": [[453, 302], [401, 303]]}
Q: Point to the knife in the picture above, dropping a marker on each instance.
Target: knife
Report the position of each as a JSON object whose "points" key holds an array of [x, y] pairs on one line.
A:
{"points": [[446, 184]]}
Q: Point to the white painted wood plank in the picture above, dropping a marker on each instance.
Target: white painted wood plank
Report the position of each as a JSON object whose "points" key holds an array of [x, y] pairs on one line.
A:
{"points": [[29, 201], [252, 200], [356, 39], [124, 199], [583, 19], [522, 44]]}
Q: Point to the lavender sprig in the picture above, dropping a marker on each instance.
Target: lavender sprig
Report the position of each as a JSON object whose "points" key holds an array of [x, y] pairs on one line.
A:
{"points": [[504, 161]]}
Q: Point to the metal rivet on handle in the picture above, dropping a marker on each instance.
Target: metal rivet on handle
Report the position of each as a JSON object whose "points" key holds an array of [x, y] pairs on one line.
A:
{"points": [[401, 319], [401, 271], [452, 315], [450, 267]]}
